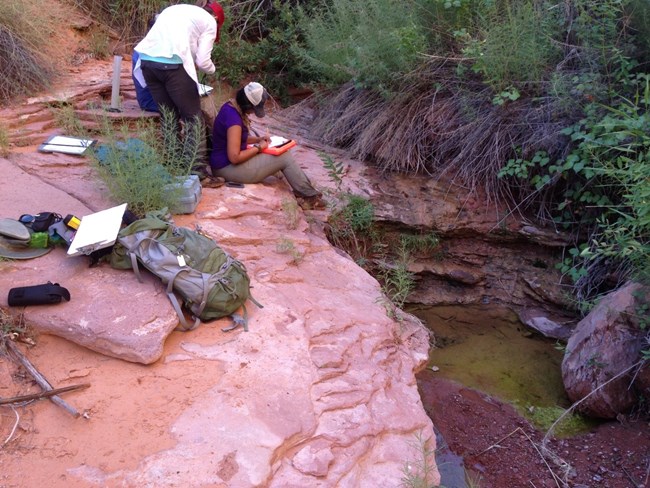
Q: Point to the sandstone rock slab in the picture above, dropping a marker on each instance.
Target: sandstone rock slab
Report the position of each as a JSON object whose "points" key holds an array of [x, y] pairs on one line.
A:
{"points": [[110, 311]]}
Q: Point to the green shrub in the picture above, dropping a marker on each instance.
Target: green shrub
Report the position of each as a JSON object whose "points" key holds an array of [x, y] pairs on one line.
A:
{"points": [[419, 242], [639, 15], [66, 118], [370, 41], [287, 246], [138, 171], [397, 281], [619, 148], [236, 60], [4, 142], [351, 228], [516, 47]]}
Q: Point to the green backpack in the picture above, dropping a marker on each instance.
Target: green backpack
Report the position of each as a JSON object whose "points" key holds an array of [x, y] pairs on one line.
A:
{"points": [[211, 283]]}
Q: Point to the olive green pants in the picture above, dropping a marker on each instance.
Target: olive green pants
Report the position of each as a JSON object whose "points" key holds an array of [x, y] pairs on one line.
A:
{"points": [[256, 169]]}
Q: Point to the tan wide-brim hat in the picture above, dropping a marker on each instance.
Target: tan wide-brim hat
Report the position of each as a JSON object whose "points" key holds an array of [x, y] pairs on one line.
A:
{"points": [[13, 249]]}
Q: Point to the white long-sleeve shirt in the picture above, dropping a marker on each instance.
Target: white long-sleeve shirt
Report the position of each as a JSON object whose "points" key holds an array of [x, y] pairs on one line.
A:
{"points": [[186, 31]]}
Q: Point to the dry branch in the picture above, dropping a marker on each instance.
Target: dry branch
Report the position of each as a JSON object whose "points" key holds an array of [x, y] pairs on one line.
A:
{"points": [[42, 394], [40, 379]]}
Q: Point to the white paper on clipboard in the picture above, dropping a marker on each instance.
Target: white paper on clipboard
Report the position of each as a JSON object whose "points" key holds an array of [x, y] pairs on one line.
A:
{"points": [[97, 231], [66, 145], [204, 89]]}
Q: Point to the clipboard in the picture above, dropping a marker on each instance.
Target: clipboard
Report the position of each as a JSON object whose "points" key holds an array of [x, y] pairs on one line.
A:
{"points": [[204, 90], [66, 145], [97, 231], [279, 145]]}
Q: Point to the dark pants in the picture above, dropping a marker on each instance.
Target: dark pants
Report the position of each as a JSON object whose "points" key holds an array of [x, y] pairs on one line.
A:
{"points": [[172, 88]]}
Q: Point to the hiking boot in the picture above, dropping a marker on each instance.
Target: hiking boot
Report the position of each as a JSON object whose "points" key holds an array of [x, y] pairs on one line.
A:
{"points": [[312, 203], [212, 181]]}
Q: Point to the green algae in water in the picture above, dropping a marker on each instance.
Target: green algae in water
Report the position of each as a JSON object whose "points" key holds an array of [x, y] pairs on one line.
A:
{"points": [[570, 425], [488, 349]]}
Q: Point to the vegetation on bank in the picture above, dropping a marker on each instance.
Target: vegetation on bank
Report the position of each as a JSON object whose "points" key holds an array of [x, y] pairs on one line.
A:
{"points": [[543, 104]]}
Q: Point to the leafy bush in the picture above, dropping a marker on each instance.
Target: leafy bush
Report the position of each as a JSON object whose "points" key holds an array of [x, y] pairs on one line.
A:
{"points": [[351, 228], [138, 171], [369, 41], [619, 146], [639, 15], [515, 47]]}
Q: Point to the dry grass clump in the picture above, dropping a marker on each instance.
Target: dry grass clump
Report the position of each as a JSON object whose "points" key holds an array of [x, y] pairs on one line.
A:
{"points": [[436, 124], [129, 19], [28, 33]]}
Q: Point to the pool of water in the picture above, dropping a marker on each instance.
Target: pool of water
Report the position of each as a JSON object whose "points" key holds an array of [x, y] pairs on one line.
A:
{"points": [[488, 349]]}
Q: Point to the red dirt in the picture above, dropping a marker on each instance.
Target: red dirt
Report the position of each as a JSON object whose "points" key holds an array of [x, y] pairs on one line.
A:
{"points": [[501, 449]]}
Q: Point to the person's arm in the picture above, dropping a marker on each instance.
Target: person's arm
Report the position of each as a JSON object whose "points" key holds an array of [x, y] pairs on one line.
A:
{"points": [[233, 144], [203, 58], [255, 139]]}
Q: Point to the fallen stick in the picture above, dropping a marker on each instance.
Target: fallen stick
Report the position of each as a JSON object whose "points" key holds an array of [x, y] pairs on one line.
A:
{"points": [[43, 394], [40, 379]]}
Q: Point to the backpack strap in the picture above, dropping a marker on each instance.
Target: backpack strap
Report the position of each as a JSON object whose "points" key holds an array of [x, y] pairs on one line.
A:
{"points": [[184, 326], [134, 265], [238, 320], [250, 296]]}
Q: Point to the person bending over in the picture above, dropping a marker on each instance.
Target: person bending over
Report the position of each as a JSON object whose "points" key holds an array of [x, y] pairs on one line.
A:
{"points": [[237, 154], [179, 42]]}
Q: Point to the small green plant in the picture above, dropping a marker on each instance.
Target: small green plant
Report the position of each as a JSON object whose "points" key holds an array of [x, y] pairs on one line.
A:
{"points": [[291, 212], [4, 142], [351, 228], [286, 246], [359, 213], [513, 47], [356, 40], [572, 266], [419, 472], [140, 171], [99, 44], [509, 94], [66, 118], [419, 242], [398, 281], [335, 169]]}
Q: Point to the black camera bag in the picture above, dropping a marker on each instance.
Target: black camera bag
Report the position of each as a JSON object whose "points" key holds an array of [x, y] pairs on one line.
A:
{"points": [[45, 294]]}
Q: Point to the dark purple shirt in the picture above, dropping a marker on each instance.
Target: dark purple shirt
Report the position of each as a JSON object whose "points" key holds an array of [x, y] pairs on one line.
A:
{"points": [[226, 118]]}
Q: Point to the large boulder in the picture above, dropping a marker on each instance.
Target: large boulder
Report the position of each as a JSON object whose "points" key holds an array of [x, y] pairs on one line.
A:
{"points": [[602, 355]]}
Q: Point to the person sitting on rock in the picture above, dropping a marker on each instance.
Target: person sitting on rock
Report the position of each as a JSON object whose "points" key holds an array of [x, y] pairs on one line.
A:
{"points": [[237, 154]]}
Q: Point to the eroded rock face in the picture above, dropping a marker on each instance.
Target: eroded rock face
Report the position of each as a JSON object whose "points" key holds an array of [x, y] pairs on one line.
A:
{"points": [[320, 393], [485, 255], [602, 353]]}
